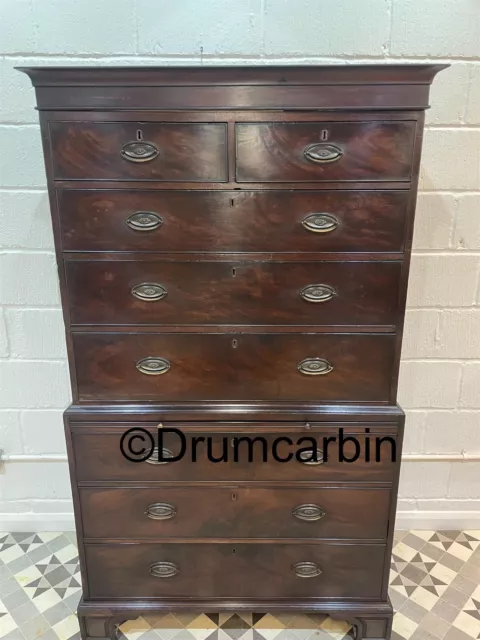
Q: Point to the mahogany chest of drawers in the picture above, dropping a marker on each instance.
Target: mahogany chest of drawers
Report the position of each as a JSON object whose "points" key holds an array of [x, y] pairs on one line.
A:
{"points": [[233, 249]]}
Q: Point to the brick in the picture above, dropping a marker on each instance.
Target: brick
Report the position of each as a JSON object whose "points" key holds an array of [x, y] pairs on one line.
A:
{"points": [[10, 435], [52, 506], [443, 280], [23, 167], [25, 220], [45, 480], [43, 431], [470, 389], [428, 29], [424, 479], [467, 225], [472, 115], [17, 98], [29, 278], [237, 32], [4, 348], [414, 431], [69, 27], [36, 333], [452, 431], [448, 333], [450, 159], [426, 385], [17, 29], [31, 385], [433, 221], [328, 28], [448, 95], [464, 480]]}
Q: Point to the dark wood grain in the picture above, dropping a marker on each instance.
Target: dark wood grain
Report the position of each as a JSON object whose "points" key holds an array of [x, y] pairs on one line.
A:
{"points": [[86, 150], [233, 367], [260, 571], [99, 459], [273, 152], [232, 221], [233, 292], [239, 512]]}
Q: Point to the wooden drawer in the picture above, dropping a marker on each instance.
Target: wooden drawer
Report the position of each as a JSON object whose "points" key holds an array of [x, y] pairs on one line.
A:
{"points": [[251, 293], [112, 151], [208, 455], [234, 570], [234, 512], [330, 151], [234, 221], [215, 366]]}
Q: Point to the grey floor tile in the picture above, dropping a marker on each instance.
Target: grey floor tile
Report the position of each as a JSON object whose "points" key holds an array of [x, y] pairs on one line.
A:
{"points": [[35, 627], [435, 624], [432, 551], [413, 611], [40, 553], [19, 564], [452, 596], [48, 635], [15, 599], [422, 634], [9, 586], [455, 634], [446, 610], [5, 573], [56, 613], [72, 601], [58, 543], [452, 562], [463, 584], [413, 541], [16, 634], [25, 612], [471, 572], [397, 599]]}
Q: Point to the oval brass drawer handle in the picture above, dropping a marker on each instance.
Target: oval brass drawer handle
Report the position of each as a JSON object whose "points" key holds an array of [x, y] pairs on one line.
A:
{"points": [[153, 366], [139, 151], [307, 458], [314, 367], [317, 293], [160, 511], [153, 459], [308, 512], [164, 570], [306, 569], [323, 153], [144, 221], [149, 291], [320, 222]]}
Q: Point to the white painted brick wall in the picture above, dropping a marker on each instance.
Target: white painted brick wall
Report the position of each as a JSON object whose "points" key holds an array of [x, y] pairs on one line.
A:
{"points": [[440, 374]]}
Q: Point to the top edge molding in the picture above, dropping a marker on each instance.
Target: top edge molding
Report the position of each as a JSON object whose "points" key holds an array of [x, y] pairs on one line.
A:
{"points": [[148, 76]]}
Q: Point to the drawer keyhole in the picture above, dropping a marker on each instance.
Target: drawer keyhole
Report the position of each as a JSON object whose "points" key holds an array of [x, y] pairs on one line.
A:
{"points": [[234, 343], [234, 496], [139, 134], [324, 134]]}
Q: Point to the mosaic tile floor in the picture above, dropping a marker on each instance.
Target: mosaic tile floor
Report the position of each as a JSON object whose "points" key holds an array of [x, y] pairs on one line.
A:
{"points": [[435, 590]]}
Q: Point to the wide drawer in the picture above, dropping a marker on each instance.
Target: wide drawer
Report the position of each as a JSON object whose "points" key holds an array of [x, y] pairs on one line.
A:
{"points": [[152, 292], [235, 512], [235, 570], [326, 151], [110, 220], [139, 151], [229, 456], [219, 366]]}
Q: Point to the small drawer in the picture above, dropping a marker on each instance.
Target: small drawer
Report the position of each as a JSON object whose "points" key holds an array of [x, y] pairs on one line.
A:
{"points": [[235, 293], [324, 570], [232, 456], [239, 512], [139, 151], [217, 366], [325, 151], [232, 221]]}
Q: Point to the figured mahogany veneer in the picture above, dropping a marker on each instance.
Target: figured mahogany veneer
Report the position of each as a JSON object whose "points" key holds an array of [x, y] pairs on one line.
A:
{"points": [[233, 248]]}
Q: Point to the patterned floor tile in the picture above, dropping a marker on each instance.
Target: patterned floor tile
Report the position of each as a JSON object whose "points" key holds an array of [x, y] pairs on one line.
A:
{"points": [[435, 590]]}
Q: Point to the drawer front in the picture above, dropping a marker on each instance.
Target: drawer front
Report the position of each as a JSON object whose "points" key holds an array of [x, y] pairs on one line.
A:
{"points": [[174, 366], [106, 220], [330, 151], [113, 151], [214, 512], [314, 293], [209, 456], [259, 570]]}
